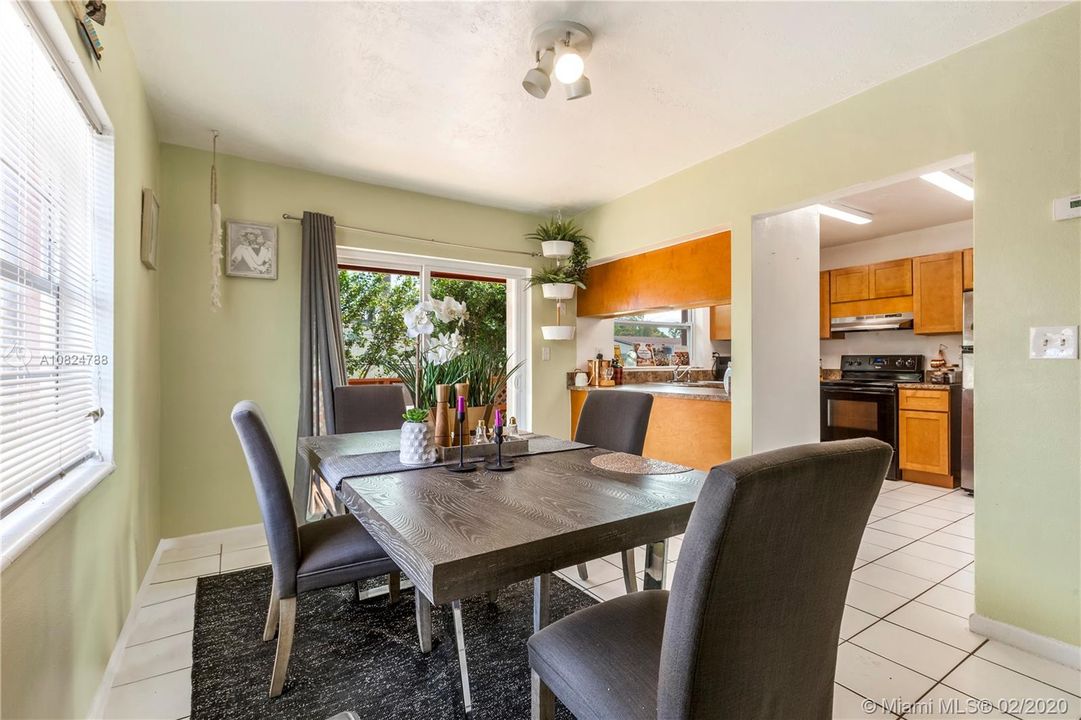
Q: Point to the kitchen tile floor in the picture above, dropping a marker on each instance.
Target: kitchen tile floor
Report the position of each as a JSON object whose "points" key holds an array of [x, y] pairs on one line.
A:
{"points": [[904, 636]]}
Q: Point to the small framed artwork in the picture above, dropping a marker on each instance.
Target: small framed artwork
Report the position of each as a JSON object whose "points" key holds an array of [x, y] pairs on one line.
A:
{"points": [[148, 240], [251, 250]]}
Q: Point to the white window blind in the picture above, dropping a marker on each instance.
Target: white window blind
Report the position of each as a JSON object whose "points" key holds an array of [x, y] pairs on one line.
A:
{"points": [[55, 216]]}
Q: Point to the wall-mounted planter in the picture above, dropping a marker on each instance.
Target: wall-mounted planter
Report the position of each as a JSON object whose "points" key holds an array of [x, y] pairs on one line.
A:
{"points": [[557, 332], [558, 291], [557, 248]]}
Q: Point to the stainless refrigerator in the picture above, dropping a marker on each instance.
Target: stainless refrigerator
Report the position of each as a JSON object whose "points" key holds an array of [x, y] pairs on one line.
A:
{"points": [[968, 355]]}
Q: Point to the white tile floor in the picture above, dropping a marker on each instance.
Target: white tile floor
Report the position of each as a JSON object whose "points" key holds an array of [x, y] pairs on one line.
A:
{"points": [[904, 634]]}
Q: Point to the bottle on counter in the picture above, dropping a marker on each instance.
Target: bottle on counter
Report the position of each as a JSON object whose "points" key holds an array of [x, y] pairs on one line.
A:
{"points": [[617, 368]]}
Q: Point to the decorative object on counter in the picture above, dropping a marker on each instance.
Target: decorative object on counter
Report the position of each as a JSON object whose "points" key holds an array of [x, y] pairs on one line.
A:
{"points": [[617, 370], [418, 442], [644, 354], [148, 236], [727, 380], [251, 250], [581, 379], [942, 372], [718, 366], [499, 465], [560, 239], [461, 467], [216, 252], [442, 424], [600, 372], [681, 357], [635, 464]]}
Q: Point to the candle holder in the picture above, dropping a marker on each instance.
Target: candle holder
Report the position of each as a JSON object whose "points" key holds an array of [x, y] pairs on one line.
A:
{"points": [[461, 467], [499, 465]]}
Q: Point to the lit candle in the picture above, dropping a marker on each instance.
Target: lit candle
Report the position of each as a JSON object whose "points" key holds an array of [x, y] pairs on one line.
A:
{"points": [[498, 418], [461, 404]]}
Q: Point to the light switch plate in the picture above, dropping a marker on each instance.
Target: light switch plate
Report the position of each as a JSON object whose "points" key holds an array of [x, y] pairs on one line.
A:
{"points": [[546, 353], [1058, 342]]}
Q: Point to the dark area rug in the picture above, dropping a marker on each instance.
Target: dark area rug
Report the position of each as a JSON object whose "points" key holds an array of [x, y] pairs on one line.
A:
{"points": [[362, 657]]}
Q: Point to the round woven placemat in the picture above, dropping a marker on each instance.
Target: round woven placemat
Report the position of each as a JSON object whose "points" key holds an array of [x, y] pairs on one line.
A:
{"points": [[635, 465]]}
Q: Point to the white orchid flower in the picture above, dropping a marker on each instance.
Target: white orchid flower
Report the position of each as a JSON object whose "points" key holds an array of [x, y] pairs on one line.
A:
{"points": [[448, 309], [445, 347], [417, 321]]}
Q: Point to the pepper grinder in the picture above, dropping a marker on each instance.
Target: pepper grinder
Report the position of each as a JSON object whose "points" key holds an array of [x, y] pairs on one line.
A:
{"points": [[499, 465], [461, 467]]}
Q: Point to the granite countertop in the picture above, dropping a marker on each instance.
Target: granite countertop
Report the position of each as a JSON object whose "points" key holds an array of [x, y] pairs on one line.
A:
{"points": [[715, 394], [925, 386]]}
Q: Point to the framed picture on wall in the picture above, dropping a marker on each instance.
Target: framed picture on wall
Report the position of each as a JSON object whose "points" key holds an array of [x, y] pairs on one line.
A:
{"points": [[251, 250], [148, 239]]}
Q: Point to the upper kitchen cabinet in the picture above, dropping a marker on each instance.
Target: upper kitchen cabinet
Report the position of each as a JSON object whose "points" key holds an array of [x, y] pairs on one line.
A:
{"points": [[720, 322], [824, 306], [850, 284], [890, 279], [966, 268], [691, 274], [936, 298]]}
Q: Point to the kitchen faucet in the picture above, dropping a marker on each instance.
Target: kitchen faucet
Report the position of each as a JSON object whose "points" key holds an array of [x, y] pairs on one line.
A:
{"points": [[684, 376]]}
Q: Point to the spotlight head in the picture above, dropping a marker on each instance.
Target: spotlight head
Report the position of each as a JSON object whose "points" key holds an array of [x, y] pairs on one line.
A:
{"points": [[580, 88], [569, 66], [538, 80]]}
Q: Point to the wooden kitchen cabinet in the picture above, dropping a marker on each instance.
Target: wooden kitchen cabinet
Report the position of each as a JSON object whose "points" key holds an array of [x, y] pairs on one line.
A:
{"points": [[936, 293], [720, 322], [890, 279], [966, 269], [850, 284], [823, 306], [924, 440]]}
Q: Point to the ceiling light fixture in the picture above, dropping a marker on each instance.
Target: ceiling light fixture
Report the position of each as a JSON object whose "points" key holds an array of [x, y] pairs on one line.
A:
{"points": [[849, 215], [562, 47], [951, 182]]}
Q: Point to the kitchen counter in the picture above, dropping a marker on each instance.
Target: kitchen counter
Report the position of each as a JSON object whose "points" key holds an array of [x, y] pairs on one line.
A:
{"points": [[672, 390], [925, 386]]}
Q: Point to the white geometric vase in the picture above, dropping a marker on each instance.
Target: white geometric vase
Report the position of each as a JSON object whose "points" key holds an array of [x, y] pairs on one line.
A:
{"points": [[418, 444]]}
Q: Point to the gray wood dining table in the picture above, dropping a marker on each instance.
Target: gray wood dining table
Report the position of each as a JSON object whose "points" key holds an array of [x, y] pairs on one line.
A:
{"points": [[459, 535]]}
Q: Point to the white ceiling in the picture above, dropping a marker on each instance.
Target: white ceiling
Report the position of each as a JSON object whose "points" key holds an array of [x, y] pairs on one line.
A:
{"points": [[427, 96], [901, 207]]}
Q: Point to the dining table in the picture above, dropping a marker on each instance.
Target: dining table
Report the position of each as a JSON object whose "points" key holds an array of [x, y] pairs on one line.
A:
{"points": [[456, 535]]}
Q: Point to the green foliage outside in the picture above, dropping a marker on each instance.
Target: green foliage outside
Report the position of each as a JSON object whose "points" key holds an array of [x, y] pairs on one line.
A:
{"points": [[373, 331]]}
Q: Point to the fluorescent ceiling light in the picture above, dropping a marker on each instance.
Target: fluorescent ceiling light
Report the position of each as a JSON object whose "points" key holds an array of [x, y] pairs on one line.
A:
{"points": [[856, 217], [951, 183]]}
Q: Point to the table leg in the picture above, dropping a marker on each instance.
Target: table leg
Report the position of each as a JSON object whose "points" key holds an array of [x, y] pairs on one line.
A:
{"points": [[541, 591], [630, 582], [459, 639], [655, 565], [424, 622]]}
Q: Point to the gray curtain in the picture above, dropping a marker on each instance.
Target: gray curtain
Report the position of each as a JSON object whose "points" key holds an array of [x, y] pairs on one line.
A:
{"points": [[322, 362]]}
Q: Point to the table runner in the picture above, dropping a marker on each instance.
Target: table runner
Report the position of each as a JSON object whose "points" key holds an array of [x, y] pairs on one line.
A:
{"points": [[334, 470]]}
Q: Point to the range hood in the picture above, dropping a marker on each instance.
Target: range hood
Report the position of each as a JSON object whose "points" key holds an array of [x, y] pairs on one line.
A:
{"points": [[863, 323]]}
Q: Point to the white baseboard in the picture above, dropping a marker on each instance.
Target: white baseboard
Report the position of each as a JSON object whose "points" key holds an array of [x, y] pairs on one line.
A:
{"points": [[97, 704], [211, 536], [1046, 647]]}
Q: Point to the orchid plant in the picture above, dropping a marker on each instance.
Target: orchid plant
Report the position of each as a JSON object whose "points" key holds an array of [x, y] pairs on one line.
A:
{"points": [[434, 350]]}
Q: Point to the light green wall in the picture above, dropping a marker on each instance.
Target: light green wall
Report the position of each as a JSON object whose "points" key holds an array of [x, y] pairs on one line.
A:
{"points": [[1013, 101], [66, 597], [249, 349]]}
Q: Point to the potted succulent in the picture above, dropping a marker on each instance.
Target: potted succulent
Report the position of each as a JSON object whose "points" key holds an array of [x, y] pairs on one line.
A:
{"points": [[418, 440]]}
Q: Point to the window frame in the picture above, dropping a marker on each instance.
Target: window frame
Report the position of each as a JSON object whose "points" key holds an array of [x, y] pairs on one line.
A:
{"points": [[25, 522], [687, 324], [519, 305]]}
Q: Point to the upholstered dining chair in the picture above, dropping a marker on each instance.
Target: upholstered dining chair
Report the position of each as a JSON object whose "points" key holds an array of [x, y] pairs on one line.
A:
{"points": [[750, 627], [325, 553], [364, 408], [617, 421]]}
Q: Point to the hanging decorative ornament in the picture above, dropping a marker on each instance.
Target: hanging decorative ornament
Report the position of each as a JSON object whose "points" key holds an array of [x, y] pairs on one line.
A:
{"points": [[216, 253], [95, 10]]}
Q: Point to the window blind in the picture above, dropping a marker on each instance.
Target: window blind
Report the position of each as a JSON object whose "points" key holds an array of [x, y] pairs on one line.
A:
{"points": [[55, 184]]}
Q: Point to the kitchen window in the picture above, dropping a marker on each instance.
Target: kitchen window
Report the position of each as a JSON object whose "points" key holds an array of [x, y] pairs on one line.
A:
{"points": [[652, 339], [56, 283]]}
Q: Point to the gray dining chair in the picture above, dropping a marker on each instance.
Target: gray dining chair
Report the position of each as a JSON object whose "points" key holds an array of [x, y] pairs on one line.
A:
{"points": [[325, 553], [750, 627], [617, 421], [364, 408]]}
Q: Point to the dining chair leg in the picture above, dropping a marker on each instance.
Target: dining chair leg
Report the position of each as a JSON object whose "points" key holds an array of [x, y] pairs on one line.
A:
{"points": [[356, 591], [582, 571], [542, 704], [493, 596], [630, 582], [394, 587], [271, 615], [287, 615], [424, 622]]}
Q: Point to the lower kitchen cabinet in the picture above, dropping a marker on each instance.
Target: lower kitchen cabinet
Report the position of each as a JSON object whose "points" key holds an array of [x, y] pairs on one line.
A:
{"points": [[928, 436]]}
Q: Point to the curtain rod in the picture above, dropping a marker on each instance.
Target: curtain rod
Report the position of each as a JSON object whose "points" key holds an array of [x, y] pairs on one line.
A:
{"points": [[287, 216]]}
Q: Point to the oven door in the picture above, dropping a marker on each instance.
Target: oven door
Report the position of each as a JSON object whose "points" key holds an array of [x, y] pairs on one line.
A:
{"points": [[861, 412]]}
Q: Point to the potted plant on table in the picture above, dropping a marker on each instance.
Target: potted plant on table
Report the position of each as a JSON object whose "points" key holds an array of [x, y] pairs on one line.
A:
{"points": [[417, 445]]}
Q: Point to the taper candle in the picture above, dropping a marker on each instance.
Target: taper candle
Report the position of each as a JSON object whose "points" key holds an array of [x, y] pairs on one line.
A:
{"points": [[461, 404], [498, 418]]}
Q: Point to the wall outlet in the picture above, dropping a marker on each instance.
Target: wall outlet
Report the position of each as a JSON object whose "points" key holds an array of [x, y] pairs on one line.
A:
{"points": [[546, 353], [1058, 342]]}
